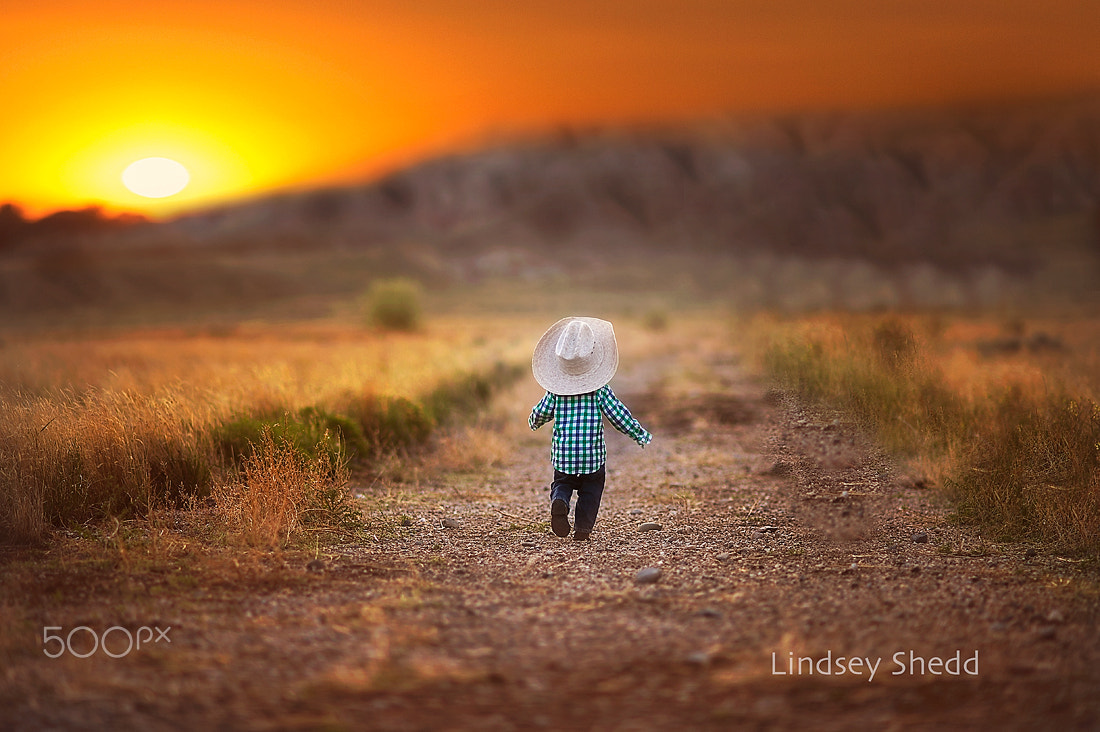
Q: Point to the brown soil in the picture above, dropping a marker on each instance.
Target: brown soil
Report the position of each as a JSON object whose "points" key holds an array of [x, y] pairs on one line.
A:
{"points": [[783, 535]]}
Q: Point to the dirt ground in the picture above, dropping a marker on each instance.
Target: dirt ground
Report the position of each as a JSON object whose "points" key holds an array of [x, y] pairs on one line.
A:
{"points": [[783, 535]]}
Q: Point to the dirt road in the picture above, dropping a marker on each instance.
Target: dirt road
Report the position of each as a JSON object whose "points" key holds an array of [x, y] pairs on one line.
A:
{"points": [[788, 548]]}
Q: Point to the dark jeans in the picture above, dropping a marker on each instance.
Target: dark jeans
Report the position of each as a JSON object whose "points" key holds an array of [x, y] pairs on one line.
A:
{"points": [[589, 488]]}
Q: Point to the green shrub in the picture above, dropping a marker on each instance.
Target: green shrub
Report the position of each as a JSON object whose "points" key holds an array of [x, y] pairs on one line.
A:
{"points": [[309, 430], [391, 423], [394, 304]]}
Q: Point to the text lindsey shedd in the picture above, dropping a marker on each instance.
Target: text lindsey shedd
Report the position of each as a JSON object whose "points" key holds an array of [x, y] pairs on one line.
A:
{"points": [[902, 663]]}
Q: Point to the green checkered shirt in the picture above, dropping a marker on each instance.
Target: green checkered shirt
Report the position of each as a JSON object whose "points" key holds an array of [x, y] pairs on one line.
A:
{"points": [[578, 446]]}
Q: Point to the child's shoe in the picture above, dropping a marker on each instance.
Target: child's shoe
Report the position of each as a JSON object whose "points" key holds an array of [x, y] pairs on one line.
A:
{"points": [[559, 517]]}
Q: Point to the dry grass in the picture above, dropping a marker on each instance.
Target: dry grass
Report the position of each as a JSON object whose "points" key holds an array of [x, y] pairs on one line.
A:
{"points": [[988, 411], [73, 458], [283, 496], [112, 425]]}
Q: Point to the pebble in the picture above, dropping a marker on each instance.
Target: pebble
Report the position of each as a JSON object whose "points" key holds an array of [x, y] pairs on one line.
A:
{"points": [[316, 565], [723, 556], [635, 512], [1047, 633], [758, 534], [649, 526], [647, 576], [1056, 616], [450, 523], [700, 658], [920, 538], [710, 612]]}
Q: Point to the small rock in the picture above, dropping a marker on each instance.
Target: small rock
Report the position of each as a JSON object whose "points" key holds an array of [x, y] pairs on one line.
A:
{"points": [[758, 534], [450, 523], [999, 627], [699, 658], [650, 526], [316, 565], [647, 576], [1031, 552], [920, 537], [635, 512], [710, 612], [915, 569], [1056, 616], [723, 556], [1046, 633]]}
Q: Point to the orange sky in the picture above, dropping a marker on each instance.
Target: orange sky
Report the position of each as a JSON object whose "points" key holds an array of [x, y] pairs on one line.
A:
{"points": [[257, 96]]}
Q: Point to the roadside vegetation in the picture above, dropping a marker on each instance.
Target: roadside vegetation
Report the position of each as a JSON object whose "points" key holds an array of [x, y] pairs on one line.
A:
{"points": [[260, 425], [1005, 421]]}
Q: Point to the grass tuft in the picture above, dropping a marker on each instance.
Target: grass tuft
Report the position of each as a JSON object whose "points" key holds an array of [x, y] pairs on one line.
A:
{"points": [[285, 495]]}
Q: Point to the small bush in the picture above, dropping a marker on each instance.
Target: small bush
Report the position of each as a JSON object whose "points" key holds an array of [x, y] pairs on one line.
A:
{"points": [[285, 495], [394, 304], [656, 321]]}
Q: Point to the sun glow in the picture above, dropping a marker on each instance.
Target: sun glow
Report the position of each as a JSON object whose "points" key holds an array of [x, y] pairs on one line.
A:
{"points": [[155, 177]]}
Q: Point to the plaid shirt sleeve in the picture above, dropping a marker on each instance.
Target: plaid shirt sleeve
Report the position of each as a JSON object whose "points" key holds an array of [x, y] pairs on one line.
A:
{"points": [[543, 412], [620, 417]]}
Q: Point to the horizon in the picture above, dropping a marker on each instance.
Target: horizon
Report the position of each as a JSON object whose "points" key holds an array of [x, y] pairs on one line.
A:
{"points": [[260, 100]]}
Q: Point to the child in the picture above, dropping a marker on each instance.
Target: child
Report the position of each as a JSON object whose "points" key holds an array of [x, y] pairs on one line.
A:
{"points": [[574, 361]]}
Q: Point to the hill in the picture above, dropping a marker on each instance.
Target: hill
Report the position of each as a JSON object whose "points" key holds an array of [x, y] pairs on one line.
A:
{"points": [[945, 206]]}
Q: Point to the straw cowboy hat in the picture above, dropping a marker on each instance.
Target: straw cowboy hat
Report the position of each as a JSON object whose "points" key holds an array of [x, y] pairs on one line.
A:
{"points": [[575, 356]]}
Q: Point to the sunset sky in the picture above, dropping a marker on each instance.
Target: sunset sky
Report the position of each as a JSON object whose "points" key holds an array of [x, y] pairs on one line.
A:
{"points": [[255, 96]]}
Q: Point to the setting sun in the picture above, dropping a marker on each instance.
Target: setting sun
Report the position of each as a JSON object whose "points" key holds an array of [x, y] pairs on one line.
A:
{"points": [[156, 177], [253, 98]]}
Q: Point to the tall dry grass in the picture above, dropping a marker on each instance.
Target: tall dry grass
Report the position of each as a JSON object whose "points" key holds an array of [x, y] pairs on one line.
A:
{"points": [[1016, 450], [73, 458], [112, 426]]}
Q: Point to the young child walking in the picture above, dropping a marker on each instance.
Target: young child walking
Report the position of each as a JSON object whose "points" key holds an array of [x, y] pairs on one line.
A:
{"points": [[574, 361]]}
